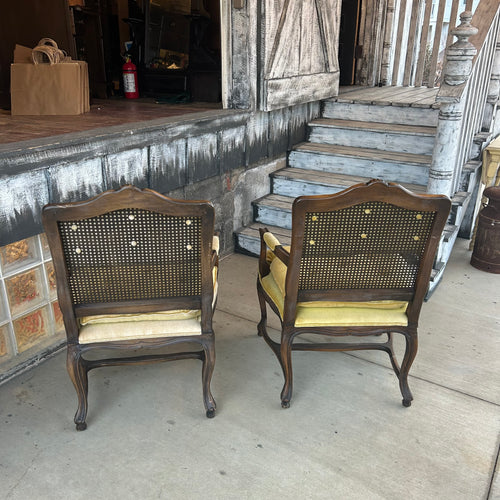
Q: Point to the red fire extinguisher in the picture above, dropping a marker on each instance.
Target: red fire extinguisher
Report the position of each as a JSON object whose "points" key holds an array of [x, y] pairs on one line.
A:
{"points": [[130, 86]]}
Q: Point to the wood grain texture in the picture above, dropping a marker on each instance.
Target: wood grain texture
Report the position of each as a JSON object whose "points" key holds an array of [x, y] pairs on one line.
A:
{"points": [[299, 57]]}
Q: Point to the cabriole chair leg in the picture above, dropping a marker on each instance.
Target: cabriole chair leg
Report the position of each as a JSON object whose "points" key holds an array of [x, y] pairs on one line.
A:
{"points": [[286, 364], [410, 353], [77, 369], [207, 371]]}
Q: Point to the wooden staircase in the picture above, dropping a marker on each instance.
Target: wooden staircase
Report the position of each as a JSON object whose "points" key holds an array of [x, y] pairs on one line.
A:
{"points": [[356, 139]]}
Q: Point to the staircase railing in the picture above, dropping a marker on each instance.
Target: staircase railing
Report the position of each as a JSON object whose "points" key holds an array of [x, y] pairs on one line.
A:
{"points": [[470, 80], [419, 31]]}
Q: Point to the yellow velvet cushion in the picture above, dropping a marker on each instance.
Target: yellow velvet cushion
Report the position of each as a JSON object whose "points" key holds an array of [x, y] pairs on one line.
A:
{"points": [[174, 323], [326, 313], [129, 330]]}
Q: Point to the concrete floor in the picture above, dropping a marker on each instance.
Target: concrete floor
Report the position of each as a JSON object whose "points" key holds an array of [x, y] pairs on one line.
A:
{"points": [[346, 434]]}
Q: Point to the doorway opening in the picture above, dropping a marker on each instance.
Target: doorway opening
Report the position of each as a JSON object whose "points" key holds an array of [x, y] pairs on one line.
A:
{"points": [[175, 45], [349, 49]]}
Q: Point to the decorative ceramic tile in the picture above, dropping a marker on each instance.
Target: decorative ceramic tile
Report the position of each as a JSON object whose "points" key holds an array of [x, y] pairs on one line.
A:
{"points": [[58, 318], [4, 335], [31, 328], [19, 254], [25, 290], [51, 279]]}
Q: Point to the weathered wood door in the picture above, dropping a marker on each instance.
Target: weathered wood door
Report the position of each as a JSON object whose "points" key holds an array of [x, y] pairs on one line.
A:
{"points": [[299, 51]]}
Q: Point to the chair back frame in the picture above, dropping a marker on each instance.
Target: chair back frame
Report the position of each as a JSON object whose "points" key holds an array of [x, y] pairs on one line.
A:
{"points": [[126, 198], [374, 191]]}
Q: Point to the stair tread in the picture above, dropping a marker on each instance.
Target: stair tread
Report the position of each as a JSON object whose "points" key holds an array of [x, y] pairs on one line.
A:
{"points": [[276, 201], [283, 235], [375, 126], [374, 154], [333, 179]]}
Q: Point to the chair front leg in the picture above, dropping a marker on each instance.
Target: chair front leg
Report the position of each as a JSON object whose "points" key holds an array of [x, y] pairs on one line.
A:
{"points": [[207, 371], [286, 364], [78, 373], [410, 353]]}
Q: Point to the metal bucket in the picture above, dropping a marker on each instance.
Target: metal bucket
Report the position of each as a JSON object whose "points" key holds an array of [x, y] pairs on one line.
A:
{"points": [[486, 253]]}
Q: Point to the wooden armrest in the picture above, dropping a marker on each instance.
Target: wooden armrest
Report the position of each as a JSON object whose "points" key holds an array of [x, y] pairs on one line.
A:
{"points": [[282, 254], [269, 240]]}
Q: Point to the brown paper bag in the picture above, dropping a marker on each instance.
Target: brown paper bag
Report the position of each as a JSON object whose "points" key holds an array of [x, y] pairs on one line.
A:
{"points": [[49, 89]]}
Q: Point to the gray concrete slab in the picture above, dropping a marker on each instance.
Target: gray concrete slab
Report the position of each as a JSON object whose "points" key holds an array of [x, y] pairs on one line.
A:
{"points": [[345, 435]]}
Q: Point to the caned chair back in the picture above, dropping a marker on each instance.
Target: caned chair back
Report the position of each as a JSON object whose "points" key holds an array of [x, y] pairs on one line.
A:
{"points": [[132, 250], [372, 242], [132, 254]]}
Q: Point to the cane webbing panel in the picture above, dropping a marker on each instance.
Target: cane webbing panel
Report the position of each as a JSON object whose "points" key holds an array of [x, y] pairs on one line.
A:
{"points": [[370, 245], [132, 254]]}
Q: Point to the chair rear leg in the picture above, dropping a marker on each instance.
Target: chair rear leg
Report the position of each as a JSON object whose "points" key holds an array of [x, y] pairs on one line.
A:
{"points": [[410, 353], [392, 356], [286, 364], [207, 371], [78, 373], [261, 327]]}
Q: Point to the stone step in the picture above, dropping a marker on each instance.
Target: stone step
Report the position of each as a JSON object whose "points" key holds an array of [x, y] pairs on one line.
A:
{"points": [[364, 162], [400, 114], [295, 182], [274, 209], [382, 136], [248, 238]]}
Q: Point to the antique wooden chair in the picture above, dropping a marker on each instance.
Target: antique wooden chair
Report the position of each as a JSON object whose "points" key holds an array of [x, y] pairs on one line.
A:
{"points": [[359, 265], [135, 271]]}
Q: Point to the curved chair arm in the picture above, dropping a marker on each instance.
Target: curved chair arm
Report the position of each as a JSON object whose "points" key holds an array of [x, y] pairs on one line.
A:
{"points": [[269, 241]]}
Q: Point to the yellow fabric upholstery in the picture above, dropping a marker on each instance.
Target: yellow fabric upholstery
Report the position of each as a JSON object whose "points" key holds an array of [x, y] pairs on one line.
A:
{"points": [[175, 323], [271, 241], [324, 313], [129, 330]]}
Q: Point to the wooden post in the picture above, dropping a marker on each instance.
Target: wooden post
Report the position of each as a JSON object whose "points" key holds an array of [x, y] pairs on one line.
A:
{"points": [[493, 89], [456, 72]]}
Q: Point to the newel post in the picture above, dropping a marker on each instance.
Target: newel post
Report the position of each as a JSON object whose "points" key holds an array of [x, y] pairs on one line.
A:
{"points": [[456, 72]]}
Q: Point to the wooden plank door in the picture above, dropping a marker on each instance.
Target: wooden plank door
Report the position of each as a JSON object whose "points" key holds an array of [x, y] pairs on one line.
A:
{"points": [[299, 51]]}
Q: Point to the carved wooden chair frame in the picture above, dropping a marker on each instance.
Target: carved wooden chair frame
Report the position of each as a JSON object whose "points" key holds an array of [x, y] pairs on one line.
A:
{"points": [[366, 199], [131, 204]]}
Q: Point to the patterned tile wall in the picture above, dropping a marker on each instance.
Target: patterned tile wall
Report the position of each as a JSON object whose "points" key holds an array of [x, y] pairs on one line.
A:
{"points": [[30, 318]]}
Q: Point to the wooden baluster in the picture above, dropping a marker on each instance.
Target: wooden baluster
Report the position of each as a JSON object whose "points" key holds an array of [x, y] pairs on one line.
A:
{"points": [[412, 35], [397, 53], [423, 45], [436, 44]]}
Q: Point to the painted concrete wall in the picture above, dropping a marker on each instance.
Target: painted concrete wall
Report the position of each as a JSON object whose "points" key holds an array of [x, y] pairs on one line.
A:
{"points": [[222, 156]]}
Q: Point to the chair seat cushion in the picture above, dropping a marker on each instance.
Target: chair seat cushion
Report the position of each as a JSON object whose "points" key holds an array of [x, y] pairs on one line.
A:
{"points": [[326, 313], [174, 323], [138, 329]]}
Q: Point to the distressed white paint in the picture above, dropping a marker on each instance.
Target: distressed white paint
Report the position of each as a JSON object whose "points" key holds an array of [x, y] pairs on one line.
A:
{"points": [[356, 165], [22, 194], [78, 180], [232, 139], [257, 128], [445, 149], [299, 46], [251, 185], [168, 161], [126, 167], [387, 140], [381, 114]]}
